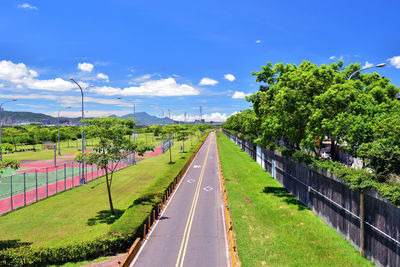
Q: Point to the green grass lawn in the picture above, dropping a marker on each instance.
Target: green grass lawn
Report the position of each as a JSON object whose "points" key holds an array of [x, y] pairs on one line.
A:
{"points": [[82, 213], [41, 154], [271, 226]]}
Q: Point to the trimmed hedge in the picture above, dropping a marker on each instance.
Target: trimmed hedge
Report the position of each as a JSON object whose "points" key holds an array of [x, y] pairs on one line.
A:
{"points": [[27, 256]]}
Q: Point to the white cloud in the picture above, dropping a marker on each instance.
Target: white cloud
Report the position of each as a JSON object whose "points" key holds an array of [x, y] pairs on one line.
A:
{"points": [[142, 78], [367, 64], [332, 58], [85, 67], [216, 116], [240, 94], [67, 100], [27, 6], [102, 76], [229, 77], [162, 87], [20, 75], [395, 62], [208, 81], [1, 85], [258, 41]]}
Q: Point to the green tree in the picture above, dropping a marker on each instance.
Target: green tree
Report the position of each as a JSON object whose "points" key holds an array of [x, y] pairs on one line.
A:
{"points": [[13, 133], [113, 146]]}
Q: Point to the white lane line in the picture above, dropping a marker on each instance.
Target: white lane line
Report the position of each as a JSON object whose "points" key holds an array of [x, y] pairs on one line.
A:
{"points": [[165, 208], [227, 249]]}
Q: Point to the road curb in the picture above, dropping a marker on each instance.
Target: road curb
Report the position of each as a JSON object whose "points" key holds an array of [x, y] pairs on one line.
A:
{"points": [[229, 225]]}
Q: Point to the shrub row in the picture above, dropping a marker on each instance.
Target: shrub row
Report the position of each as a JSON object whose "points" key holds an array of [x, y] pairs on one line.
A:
{"points": [[27, 256]]}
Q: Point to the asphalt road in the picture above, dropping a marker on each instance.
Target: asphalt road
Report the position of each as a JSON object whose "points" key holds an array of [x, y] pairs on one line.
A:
{"points": [[191, 230]]}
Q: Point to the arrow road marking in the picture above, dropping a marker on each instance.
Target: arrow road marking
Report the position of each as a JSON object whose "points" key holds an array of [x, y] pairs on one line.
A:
{"points": [[197, 166], [191, 181]]}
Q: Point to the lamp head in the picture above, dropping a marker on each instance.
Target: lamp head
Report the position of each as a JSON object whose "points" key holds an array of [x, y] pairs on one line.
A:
{"points": [[381, 65], [14, 99]]}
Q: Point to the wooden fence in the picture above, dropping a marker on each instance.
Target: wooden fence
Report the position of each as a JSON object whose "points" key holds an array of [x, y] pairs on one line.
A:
{"points": [[366, 220]]}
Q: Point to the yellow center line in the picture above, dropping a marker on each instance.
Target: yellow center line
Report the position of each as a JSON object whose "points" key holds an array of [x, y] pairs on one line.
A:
{"points": [[185, 238]]}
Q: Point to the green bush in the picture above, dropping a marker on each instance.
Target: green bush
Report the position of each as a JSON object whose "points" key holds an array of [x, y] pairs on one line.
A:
{"points": [[27, 256]]}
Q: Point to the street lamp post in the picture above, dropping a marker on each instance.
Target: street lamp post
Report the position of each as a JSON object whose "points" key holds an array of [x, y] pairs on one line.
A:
{"points": [[59, 147], [381, 65], [1, 124], [134, 126], [82, 181]]}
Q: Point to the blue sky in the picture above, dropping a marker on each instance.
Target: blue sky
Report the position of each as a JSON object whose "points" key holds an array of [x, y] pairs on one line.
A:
{"points": [[177, 55]]}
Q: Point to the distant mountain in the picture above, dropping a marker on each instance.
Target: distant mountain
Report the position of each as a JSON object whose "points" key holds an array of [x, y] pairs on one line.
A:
{"points": [[142, 118], [17, 117]]}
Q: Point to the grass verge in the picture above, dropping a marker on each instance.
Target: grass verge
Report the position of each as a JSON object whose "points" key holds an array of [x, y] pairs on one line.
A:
{"points": [[272, 227]]}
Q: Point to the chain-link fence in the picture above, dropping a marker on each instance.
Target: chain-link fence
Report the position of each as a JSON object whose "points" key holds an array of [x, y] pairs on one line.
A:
{"points": [[28, 186]]}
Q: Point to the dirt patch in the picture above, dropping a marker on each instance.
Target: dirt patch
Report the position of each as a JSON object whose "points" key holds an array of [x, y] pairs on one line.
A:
{"points": [[247, 200], [110, 262]]}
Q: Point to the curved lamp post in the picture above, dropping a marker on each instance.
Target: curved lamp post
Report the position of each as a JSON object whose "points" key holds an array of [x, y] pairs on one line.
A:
{"points": [[58, 120], [82, 181], [134, 126], [1, 124], [381, 65]]}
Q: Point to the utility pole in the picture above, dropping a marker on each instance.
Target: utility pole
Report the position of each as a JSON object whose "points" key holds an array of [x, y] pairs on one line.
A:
{"points": [[201, 114], [185, 118], [82, 180]]}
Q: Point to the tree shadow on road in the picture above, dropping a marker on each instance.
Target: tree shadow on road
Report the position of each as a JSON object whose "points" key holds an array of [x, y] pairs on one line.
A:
{"points": [[285, 195]]}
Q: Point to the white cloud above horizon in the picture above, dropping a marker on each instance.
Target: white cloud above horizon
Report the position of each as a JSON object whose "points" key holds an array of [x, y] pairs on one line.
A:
{"points": [[103, 76], [332, 57], [161, 87], [395, 61], [66, 100], [229, 77], [27, 6], [258, 41], [21, 76], [238, 95], [367, 64], [215, 116], [88, 67], [208, 81]]}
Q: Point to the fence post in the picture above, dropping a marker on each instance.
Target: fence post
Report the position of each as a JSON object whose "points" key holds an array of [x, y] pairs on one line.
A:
{"points": [[72, 170], [47, 181], [11, 193], [65, 176], [56, 181], [36, 185], [24, 189], [92, 171], [362, 224]]}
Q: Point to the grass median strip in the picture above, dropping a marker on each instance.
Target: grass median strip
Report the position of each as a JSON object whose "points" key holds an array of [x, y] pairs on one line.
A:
{"points": [[272, 227]]}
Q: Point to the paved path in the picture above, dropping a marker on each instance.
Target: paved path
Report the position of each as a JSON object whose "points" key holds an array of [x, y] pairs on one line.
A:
{"points": [[191, 230]]}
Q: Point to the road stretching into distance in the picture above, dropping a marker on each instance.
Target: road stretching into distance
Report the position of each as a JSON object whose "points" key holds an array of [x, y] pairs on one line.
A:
{"points": [[191, 230]]}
